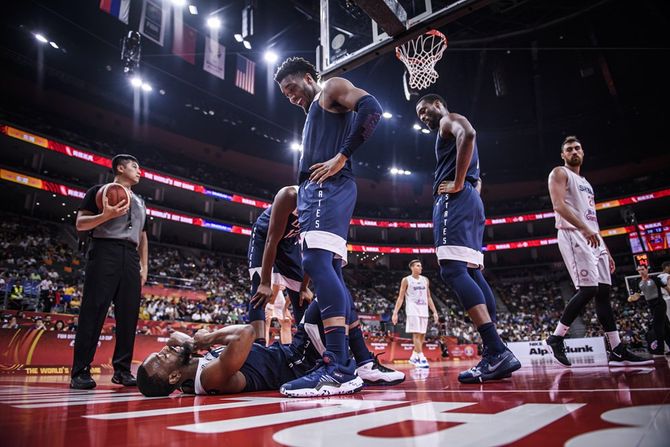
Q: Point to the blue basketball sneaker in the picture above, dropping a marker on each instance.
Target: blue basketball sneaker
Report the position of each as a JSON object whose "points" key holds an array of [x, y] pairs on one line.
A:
{"points": [[491, 367], [329, 379]]}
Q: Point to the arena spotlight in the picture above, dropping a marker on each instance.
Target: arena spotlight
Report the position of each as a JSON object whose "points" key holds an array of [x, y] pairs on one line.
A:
{"points": [[387, 115], [146, 87], [193, 10], [214, 22], [397, 171], [247, 44], [425, 131], [416, 127], [54, 45], [271, 57], [136, 81], [41, 38], [296, 146], [238, 37]]}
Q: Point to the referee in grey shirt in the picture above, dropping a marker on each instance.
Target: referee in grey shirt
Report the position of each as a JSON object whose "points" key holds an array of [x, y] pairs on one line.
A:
{"points": [[650, 287], [116, 270]]}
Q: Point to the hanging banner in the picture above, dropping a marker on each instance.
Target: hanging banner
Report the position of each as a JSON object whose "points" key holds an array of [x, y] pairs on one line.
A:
{"points": [[215, 58], [154, 20]]}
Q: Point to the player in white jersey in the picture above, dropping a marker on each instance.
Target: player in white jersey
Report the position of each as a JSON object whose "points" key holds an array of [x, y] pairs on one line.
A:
{"points": [[415, 291], [585, 254], [277, 308]]}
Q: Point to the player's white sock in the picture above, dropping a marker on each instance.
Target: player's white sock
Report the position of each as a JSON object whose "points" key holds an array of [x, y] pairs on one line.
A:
{"points": [[561, 329], [613, 338]]}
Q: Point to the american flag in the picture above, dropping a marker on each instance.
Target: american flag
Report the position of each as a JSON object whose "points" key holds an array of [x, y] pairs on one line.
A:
{"points": [[245, 74]]}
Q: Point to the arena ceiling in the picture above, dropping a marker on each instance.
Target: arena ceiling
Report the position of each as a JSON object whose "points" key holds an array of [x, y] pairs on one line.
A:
{"points": [[526, 73]]}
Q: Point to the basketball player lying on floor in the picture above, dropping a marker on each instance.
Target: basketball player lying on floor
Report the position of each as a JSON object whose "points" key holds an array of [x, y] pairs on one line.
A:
{"points": [[239, 365]]}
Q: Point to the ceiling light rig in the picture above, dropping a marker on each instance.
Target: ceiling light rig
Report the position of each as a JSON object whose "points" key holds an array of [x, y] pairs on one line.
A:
{"points": [[398, 171], [214, 23], [271, 57], [247, 25]]}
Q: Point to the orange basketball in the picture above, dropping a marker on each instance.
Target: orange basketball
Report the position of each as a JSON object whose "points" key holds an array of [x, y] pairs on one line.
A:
{"points": [[115, 193]]}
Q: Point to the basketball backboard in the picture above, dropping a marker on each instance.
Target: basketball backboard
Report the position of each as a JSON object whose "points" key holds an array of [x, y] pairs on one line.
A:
{"points": [[350, 37]]}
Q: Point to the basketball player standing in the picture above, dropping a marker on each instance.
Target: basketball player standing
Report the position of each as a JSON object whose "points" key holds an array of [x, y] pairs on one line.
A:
{"points": [[585, 254], [415, 291], [340, 118], [458, 229], [277, 308]]}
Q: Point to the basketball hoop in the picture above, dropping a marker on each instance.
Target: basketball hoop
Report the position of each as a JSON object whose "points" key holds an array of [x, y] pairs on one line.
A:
{"points": [[420, 56]]}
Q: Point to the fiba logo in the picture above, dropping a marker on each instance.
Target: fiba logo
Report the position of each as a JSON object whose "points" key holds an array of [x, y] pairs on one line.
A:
{"points": [[469, 351], [584, 272]]}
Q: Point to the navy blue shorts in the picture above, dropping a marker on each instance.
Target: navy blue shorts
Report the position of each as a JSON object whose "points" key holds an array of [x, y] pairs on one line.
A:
{"points": [[458, 226], [287, 269], [325, 213]]}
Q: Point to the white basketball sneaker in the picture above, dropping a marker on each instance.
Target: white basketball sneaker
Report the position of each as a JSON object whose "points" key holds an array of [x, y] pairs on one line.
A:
{"points": [[374, 373], [415, 360]]}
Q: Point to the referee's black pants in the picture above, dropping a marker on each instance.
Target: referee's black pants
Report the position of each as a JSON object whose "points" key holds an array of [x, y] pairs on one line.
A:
{"points": [[112, 275], [660, 322]]}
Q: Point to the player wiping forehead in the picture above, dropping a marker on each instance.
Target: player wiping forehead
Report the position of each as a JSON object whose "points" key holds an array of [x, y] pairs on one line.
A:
{"points": [[340, 118]]}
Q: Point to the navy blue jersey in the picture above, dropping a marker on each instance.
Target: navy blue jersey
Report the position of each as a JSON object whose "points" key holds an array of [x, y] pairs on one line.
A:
{"points": [[262, 226], [445, 153], [269, 368], [322, 138]]}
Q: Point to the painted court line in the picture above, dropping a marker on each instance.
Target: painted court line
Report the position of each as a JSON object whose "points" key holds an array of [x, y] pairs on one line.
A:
{"points": [[65, 398], [86, 402], [237, 403], [601, 390]]}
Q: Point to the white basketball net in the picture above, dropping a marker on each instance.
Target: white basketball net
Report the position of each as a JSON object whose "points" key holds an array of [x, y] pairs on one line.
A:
{"points": [[420, 56]]}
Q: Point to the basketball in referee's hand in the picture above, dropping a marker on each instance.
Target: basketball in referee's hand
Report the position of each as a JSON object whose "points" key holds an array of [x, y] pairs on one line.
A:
{"points": [[115, 193]]}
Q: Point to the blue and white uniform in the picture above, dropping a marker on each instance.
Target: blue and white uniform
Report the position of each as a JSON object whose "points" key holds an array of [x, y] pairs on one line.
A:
{"points": [[458, 219], [325, 210], [287, 269], [268, 368]]}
